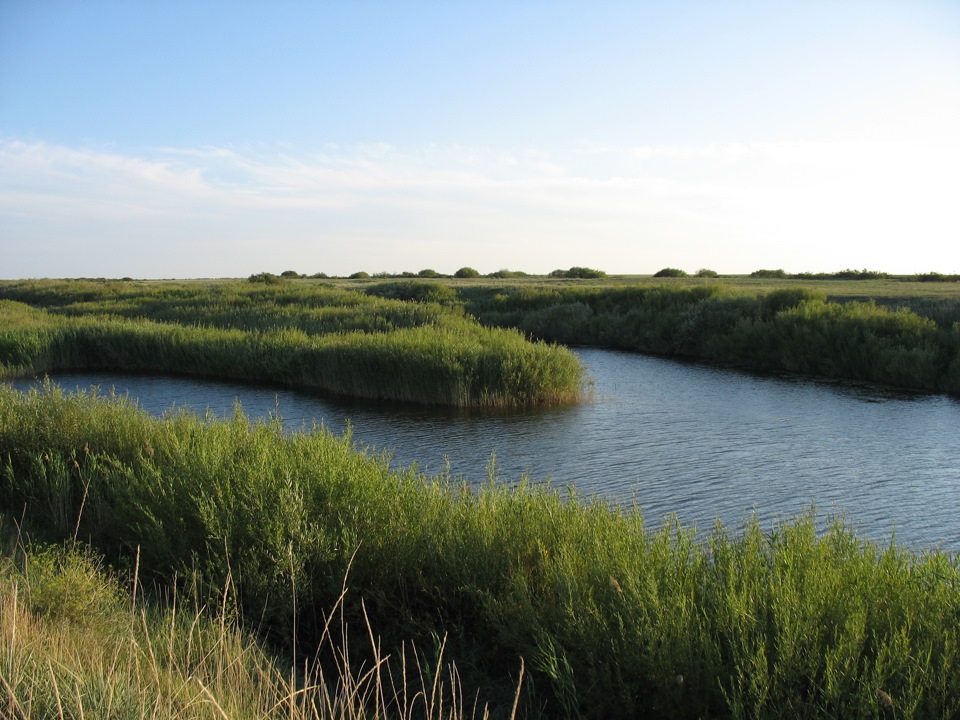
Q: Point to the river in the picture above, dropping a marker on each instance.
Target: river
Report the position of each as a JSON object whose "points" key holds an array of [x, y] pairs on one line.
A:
{"points": [[695, 441]]}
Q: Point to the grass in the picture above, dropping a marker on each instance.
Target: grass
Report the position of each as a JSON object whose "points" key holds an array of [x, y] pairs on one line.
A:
{"points": [[785, 328], [78, 641], [609, 617], [316, 338]]}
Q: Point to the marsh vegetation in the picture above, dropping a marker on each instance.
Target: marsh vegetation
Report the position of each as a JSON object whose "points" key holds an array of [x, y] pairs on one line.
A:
{"points": [[610, 617], [196, 567]]}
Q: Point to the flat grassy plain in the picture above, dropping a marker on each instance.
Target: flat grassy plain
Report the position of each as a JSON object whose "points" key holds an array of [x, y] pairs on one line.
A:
{"points": [[189, 567]]}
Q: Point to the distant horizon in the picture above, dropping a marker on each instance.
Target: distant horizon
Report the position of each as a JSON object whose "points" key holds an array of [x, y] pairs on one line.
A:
{"points": [[221, 139], [488, 275]]}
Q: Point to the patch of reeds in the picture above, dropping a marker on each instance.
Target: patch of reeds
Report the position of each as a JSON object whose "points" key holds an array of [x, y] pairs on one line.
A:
{"points": [[610, 617], [78, 641], [334, 341], [788, 329]]}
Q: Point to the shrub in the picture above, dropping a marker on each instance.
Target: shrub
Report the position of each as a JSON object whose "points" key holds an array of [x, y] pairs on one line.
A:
{"points": [[466, 272], [705, 273], [265, 278], [670, 272], [503, 273], [428, 273], [768, 274], [935, 277], [360, 275], [290, 274], [578, 272]]}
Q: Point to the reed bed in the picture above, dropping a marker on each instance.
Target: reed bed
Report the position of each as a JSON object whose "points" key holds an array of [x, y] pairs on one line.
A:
{"points": [[77, 640], [785, 329], [334, 341], [608, 616]]}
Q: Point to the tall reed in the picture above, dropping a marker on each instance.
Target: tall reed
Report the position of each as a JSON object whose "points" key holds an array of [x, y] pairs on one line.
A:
{"points": [[610, 617], [333, 341]]}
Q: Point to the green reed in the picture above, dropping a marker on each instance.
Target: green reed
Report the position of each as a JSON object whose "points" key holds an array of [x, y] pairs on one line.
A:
{"points": [[330, 340], [785, 329], [610, 617]]}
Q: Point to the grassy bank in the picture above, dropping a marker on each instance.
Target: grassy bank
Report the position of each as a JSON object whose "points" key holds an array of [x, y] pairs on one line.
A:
{"points": [[611, 618], [783, 329], [79, 640], [309, 337]]}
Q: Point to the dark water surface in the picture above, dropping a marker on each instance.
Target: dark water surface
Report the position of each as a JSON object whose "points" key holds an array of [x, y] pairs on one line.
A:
{"points": [[691, 440]]}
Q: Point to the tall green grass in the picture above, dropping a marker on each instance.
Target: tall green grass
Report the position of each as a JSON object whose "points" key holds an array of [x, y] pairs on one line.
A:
{"points": [[329, 340], [789, 329], [77, 640], [610, 617]]}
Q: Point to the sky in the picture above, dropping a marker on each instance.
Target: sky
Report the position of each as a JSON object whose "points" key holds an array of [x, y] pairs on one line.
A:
{"points": [[221, 139]]}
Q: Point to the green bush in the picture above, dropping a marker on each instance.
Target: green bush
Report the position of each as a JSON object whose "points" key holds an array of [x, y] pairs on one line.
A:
{"points": [[769, 274], [466, 272], [669, 273], [578, 272], [265, 278]]}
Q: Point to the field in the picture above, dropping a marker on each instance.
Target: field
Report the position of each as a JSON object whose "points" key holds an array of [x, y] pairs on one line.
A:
{"points": [[193, 567]]}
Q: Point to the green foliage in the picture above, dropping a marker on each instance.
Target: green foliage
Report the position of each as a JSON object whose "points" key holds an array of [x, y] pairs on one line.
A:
{"points": [[935, 277], [428, 273], [265, 278], [466, 272], [768, 274], [309, 336], [68, 584], [361, 275], [706, 273], [418, 291], [612, 618], [843, 275], [790, 329], [504, 273], [669, 273], [578, 272]]}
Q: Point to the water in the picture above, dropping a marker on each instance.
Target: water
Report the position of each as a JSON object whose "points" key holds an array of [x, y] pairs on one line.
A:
{"points": [[699, 442]]}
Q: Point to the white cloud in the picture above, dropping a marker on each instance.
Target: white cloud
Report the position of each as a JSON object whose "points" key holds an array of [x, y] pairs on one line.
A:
{"points": [[221, 211]]}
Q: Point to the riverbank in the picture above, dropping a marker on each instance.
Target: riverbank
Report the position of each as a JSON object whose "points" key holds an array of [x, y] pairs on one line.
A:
{"points": [[465, 342], [610, 617], [309, 337]]}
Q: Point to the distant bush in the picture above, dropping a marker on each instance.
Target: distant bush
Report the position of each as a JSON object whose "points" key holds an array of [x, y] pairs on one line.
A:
{"points": [[320, 276], [266, 278], [360, 275], [290, 274], [936, 277], [466, 272], [504, 273], [843, 275], [416, 291], [428, 273], [705, 273], [578, 272], [787, 298], [669, 272], [768, 274]]}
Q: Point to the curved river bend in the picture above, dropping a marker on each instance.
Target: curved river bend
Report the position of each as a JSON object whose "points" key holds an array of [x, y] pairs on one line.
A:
{"points": [[699, 442]]}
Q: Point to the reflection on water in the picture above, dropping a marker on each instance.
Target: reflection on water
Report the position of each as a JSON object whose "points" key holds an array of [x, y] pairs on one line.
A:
{"points": [[695, 441]]}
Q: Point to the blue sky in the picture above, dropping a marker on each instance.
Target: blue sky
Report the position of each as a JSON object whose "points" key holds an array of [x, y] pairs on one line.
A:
{"points": [[218, 139]]}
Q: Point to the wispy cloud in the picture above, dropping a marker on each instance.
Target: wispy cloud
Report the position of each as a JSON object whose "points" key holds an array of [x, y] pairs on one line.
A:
{"points": [[630, 208]]}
